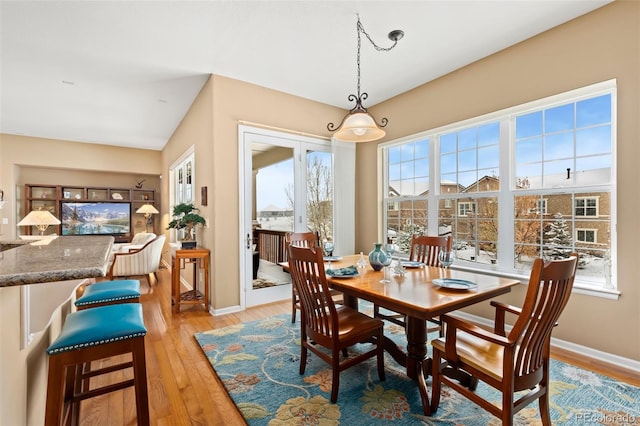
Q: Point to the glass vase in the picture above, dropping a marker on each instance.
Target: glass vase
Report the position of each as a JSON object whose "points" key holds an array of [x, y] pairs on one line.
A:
{"points": [[377, 257]]}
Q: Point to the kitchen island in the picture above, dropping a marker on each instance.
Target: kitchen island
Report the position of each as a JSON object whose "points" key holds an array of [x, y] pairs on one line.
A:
{"points": [[58, 259], [38, 281]]}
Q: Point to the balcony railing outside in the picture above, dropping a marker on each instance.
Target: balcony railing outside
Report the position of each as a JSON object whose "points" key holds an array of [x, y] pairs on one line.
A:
{"points": [[271, 245]]}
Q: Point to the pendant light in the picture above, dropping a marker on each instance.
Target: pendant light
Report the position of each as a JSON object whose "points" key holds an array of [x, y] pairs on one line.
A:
{"points": [[358, 125]]}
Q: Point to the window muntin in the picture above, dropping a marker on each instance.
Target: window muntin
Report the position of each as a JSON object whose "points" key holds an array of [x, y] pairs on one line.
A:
{"points": [[535, 145]]}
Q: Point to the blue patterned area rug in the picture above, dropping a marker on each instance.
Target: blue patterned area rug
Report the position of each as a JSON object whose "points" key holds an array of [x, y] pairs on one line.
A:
{"points": [[258, 363]]}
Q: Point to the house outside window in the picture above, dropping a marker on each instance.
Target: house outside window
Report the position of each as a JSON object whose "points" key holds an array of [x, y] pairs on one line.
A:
{"points": [[534, 180]]}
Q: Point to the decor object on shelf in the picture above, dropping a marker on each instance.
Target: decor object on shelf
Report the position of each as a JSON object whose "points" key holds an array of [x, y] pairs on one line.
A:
{"points": [[139, 184], [148, 210], [116, 196], [185, 216], [41, 219], [358, 125]]}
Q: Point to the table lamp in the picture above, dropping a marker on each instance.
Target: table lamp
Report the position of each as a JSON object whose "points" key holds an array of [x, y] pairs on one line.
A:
{"points": [[41, 219], [147, 210]]}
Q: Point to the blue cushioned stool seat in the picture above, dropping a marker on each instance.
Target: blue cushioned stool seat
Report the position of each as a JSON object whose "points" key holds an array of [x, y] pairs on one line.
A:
{"points": [[92, 335], [109, 292], [98, 326]]}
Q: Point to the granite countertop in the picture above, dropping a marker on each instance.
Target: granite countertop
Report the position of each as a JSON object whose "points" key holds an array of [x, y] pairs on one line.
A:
{"points": [[60, 259]]}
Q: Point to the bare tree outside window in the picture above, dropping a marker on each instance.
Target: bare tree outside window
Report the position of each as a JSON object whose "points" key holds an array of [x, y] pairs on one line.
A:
{"points": [[319, 197]]}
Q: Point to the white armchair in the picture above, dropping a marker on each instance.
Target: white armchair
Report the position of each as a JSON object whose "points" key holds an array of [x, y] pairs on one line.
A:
{"points": [[138, 240], [137, 262]]}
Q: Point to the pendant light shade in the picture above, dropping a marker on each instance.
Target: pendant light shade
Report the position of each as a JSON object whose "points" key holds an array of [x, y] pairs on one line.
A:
{"points": [[359, 127]]}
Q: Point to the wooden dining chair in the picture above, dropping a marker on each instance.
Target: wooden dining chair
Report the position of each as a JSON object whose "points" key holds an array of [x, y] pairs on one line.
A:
{"points": [[304, 239], [425, 249], [512, 362], [324, 325]]}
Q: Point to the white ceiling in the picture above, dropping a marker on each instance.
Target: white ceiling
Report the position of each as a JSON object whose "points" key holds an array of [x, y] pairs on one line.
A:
{"points": [[124, 73]]}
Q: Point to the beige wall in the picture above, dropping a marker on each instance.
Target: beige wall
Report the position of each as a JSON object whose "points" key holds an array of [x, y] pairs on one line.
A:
{"points": [[602, 45], [212, 125]]}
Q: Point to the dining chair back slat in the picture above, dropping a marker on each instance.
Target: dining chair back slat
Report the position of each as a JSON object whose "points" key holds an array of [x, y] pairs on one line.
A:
{"points": [[426, 248]]}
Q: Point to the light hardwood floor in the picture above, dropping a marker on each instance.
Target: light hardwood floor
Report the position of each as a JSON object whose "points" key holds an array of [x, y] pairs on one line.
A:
{"points": [[183, 389]]}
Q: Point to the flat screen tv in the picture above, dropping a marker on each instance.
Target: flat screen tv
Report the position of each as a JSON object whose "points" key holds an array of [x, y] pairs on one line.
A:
{"points": [[99, 218]]}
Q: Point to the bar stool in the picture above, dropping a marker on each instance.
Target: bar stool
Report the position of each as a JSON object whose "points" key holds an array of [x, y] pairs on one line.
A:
{"points": [[91, 335], [109, 293]]}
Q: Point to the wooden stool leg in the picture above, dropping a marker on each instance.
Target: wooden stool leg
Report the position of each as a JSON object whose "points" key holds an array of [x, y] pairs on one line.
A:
{"points": [[76, 383], [55, 392], [140, 380]]}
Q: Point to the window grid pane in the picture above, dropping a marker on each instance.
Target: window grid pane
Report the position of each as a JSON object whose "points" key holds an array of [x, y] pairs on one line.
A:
{"points": [[404, 219], [469, 155]]}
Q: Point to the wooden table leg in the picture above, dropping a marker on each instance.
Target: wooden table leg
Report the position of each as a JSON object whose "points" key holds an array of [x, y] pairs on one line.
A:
{"points": [[417, 362], [175, 281]]}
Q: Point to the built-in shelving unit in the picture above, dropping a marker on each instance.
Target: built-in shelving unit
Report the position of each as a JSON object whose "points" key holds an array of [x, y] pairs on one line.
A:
{"points": [[53, 197]]}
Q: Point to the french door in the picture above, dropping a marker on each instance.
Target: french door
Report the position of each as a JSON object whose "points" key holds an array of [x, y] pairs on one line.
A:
{"points": [[287, 186]]}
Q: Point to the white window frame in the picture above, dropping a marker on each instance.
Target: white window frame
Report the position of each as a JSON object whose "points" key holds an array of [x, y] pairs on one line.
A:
{"points": [[182, 192], [505, 195]]}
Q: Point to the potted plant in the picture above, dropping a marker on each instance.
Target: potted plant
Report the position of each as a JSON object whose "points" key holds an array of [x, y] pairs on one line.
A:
{"points": [[185, 216]]}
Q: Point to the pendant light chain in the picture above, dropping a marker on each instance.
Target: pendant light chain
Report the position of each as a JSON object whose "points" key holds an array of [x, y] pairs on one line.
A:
{"points": [[360, 29]]}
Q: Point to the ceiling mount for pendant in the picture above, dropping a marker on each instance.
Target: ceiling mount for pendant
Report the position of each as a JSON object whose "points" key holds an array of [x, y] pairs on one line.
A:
{"points": [[358, 125]]}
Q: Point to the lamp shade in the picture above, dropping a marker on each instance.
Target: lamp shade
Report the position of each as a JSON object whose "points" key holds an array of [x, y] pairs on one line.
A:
{"points": [[359, 127], [147, 209], [39, 217]]}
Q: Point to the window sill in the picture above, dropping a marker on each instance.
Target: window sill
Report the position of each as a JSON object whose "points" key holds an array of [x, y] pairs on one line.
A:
{"points": [[578, 287]]}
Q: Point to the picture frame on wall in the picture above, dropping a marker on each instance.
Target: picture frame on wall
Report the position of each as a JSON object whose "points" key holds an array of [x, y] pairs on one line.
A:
{"points": [[203, 195]]}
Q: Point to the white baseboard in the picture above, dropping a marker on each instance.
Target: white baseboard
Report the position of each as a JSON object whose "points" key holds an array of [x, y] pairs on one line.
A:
{"points": [[223, 311], [584, 351]]}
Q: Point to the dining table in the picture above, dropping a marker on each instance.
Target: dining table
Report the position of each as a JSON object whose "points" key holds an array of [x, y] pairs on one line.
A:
{"points": [[421, 293]]}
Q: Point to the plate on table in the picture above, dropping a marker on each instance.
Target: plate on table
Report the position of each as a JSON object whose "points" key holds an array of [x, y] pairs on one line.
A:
{"points": [[455, 284], [348, 272], [411, 264], [332, 258]]}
